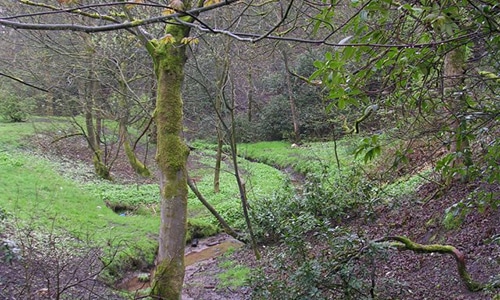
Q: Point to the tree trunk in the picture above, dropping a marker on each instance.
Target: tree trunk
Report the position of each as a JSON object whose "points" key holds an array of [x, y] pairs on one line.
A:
{"points": [[169, 56], [219, 97], [93, 141], [136, 164], [250, 97], [293, 107], [218, 161], [454, 68]]}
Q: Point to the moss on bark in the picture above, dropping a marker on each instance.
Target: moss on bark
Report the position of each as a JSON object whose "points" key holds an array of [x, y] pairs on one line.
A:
{"points": [[169, 56]]}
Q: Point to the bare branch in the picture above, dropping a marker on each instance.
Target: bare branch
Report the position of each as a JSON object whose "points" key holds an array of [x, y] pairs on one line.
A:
{"points": [[24, 82], [6, 21]]}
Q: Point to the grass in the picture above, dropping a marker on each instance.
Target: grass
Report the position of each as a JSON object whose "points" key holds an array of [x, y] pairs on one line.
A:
{"points": [[234, 275], [310, 157], [33, 190]]}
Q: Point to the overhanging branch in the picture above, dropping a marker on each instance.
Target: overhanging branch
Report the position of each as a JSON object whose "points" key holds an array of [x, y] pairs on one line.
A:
{"points": [[6, 20], [24, 82]]}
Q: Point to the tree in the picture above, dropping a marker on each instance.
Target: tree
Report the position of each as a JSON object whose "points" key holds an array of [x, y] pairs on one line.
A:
{"points": [[393, 45], [169, 56], [420, 61]]}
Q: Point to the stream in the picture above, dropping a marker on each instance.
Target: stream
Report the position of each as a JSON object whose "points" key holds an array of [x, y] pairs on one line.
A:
{"points": [[206, 249]]}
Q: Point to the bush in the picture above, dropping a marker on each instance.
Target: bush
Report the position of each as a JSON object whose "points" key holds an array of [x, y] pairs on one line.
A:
{"points": [[331, 264], [13, 108], [325, 198]]}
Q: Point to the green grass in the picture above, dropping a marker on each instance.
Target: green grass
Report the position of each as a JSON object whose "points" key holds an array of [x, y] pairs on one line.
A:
{"points": [[33, 191], [234, 275], [310, 157], [12, 134]]}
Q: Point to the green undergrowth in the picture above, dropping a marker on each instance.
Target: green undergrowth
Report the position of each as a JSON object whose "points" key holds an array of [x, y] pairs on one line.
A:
{"points": [[260, 181], [47, 193], [233, 274], [32, 191], [12, 135], [308, 158]]}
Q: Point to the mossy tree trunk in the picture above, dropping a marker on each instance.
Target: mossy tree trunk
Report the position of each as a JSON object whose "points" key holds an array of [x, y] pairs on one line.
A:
{"points": [[93, 125], [139, 167], [93, 128], [169, 56], [405, 243]]}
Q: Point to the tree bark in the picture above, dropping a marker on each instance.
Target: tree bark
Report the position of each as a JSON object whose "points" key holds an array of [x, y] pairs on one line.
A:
{"points": [[169, 57], [454, 69], [219, 97], [293, 107]]}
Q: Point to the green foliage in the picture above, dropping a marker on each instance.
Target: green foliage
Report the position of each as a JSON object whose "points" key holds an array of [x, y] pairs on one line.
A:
{"points": [[131, 196], [13, 108], [413, 83], [199, 228], [234, 275], [9, 160], [370, 147], [143, 277], [325, 198], [246, 131], [309, 157], [32, 190], [331, 263], [476, 201], [275, 120]]}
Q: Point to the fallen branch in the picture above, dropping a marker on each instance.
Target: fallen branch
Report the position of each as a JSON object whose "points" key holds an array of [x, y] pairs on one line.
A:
{"points": [[65, 137], [219, 218], [404, 243]]}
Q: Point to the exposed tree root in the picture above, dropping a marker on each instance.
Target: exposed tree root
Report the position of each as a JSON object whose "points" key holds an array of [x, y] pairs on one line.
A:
{"points": [[404, 243]]}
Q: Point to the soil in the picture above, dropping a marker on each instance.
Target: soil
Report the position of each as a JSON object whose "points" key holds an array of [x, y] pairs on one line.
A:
{"points": [[424, 276]]}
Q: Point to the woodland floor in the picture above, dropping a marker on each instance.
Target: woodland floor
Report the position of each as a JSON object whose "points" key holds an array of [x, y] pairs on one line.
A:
{"points": [[423, 276]]}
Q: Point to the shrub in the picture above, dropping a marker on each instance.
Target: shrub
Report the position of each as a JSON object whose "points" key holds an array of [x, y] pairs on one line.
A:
{"points": [[274, 121], [326, 197], [13, 108], [330, 264]]}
